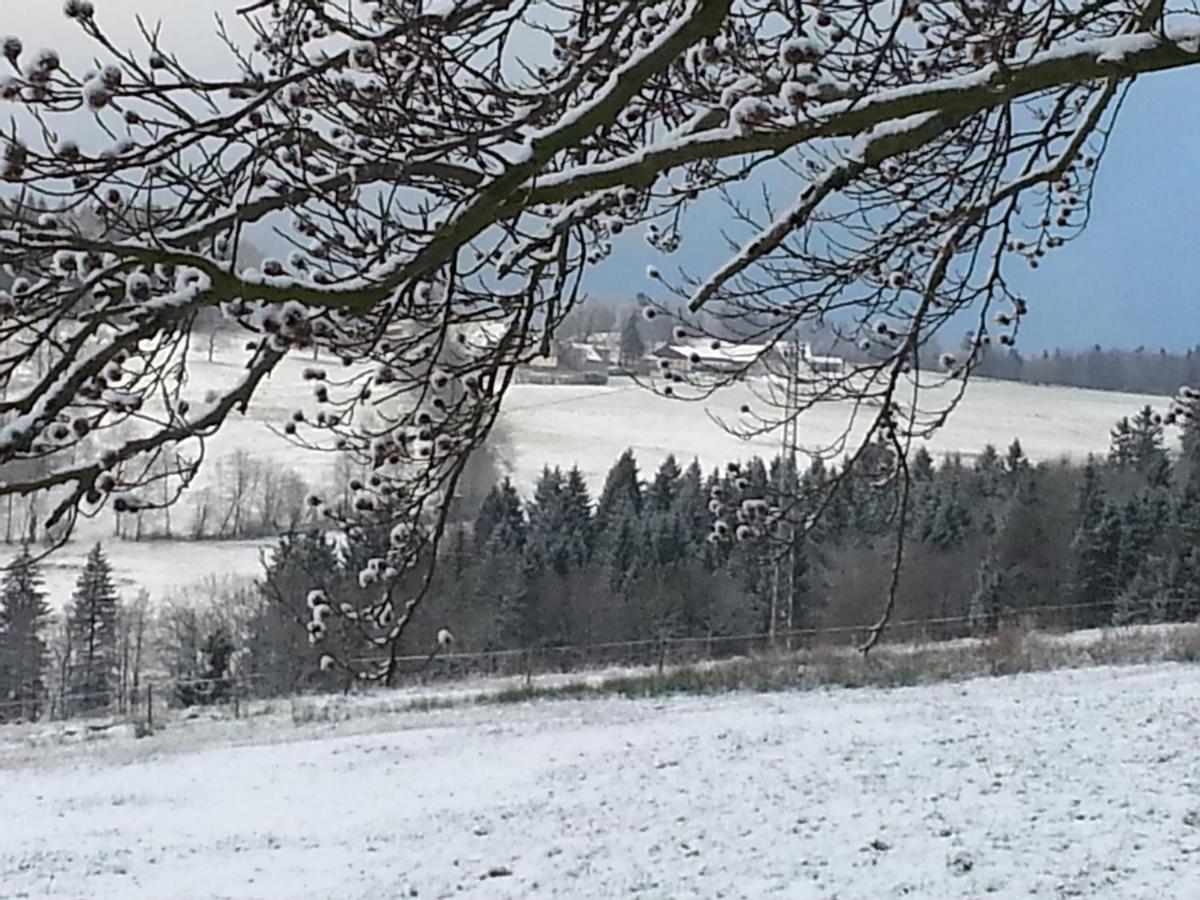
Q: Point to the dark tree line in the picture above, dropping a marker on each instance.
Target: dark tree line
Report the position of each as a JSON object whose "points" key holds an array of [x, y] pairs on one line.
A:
{"points": [[671, 553], [1135, 371]]}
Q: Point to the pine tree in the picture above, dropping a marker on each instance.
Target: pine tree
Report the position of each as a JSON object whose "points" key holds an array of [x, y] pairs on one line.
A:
{"points": [[1096, 573], [663, 490], [549, 545], [622, 494], [577, 517], [281, 655], [1120, 449], [692, 507], [1146, 449], [921, 468], [633, 348], [24, 615], [951, 525], [1091, 496], [1142, 522], [92, 626], [501, 519]]}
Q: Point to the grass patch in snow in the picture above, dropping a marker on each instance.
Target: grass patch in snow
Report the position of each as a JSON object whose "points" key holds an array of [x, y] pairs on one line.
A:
{"points": [[1010, 651]]}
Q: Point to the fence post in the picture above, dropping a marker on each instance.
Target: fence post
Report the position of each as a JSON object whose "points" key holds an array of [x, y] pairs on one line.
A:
{"points": [[237, 699], [662, 654], [150, 705], [528, 668]]}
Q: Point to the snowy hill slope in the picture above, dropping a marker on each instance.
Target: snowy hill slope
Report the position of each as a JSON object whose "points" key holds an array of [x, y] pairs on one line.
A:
{"points": [[1074, 783], [584, 426]]}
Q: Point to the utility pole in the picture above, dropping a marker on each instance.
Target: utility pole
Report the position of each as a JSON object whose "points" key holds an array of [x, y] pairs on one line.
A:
{"points": [[787, 461]]}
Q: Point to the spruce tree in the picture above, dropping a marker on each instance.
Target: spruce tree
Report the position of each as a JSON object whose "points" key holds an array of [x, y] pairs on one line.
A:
{"points": [[921, 468], [281, 652], [546, 546], [989, 468], [692, 507], [1139, 445], [1096, 569], [92, 627], [621, 497], [501, 519], [663, 490], [1120, 448], [633, 348], [24, 615], [577, 517]]}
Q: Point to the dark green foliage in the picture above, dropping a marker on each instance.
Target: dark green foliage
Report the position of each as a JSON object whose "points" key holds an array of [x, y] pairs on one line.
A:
{"points": [[92, 632], [622, 494], [211, 681], [663, 491], [500, 520], [24, 615]]}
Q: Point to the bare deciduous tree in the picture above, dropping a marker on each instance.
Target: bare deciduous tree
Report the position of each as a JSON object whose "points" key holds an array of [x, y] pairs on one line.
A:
{"points": [[445, 173]]}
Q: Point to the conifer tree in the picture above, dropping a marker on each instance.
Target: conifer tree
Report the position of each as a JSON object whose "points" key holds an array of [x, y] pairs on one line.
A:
{"points": [[1120, 449], [662, 492], [1146, 448], [1096, 573], [281, 650], [633, 348], [558, 523], [501, 520], [621, 497], [577, 517], [24, 615], [92, 626], [921, 467]]}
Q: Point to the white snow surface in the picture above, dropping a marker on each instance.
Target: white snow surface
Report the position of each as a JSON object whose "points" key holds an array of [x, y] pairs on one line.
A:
{"points": [[1079, 783]]}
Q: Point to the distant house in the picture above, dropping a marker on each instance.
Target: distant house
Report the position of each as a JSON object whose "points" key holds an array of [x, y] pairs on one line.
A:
{"points": [[745, 359], [822, 365], [723, 359]]}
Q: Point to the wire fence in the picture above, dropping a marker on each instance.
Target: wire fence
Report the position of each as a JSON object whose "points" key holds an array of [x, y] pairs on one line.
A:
{"points": [[147, 700]]}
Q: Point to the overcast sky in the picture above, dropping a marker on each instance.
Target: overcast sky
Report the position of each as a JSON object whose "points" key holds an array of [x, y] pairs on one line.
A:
{"points": [[1132, 279]]}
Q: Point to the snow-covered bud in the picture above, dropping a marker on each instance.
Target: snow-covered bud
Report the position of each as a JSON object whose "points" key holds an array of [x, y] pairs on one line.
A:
{"points": [[444, 637], [798, 51], [96, 94], [111, 77], [327, 662], [362, 55], [46, 61], [315, 598], [137, 286], [12, 48], [752, 112], [793, 94]]}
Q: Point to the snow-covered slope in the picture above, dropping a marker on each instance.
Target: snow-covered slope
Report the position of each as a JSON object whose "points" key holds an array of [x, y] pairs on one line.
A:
{"points": [[588, 427], [1082, 783]]}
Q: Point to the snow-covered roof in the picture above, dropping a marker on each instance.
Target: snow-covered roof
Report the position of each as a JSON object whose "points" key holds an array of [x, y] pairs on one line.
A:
{"points": [[725, 354]]}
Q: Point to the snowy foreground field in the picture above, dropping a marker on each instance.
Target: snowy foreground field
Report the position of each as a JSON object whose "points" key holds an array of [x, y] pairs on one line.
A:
{"points": [[1081, 783]]}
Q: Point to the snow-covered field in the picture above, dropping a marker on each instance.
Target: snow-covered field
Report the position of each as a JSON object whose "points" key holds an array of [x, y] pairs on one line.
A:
{"points": [[1081, 783], [584, 426]]}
